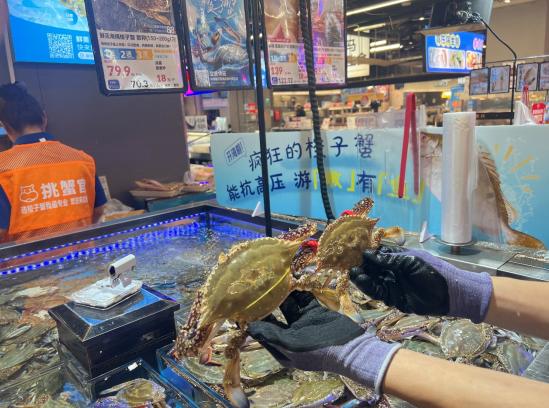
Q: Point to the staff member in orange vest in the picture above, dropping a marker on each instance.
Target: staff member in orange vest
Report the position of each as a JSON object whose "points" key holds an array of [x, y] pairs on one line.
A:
{"points": [[45, 186]]}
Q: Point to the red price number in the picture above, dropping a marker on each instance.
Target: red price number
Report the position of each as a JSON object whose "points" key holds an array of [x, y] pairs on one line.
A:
{"points": [[162, 78], [117, 70], [276, 70]]}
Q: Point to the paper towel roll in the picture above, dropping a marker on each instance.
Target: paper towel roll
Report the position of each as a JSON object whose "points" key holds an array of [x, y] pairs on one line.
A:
{"points": [[459, 172]]}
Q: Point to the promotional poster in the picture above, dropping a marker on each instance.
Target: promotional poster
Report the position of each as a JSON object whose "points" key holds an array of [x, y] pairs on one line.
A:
{"points": [[217, 44], [286, 54], [328, 22], [509, 202], [499, 79], [478, 84], [544, 76], [52, 31], [527, 75], [285, 42], [138, 45], [359, 163]]}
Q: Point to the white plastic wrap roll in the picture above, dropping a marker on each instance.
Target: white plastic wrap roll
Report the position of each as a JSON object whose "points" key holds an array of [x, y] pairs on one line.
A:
{"points": [[459, 176]]}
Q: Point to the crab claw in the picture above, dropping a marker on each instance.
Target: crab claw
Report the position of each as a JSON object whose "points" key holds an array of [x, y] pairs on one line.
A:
{"points": [[237, 397], [206, 356], [231, 379], [347, 308]]}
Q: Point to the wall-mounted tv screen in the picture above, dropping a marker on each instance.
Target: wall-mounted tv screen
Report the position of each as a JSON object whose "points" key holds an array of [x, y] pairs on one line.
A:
{"points": [[52, 31], [459, 52]]}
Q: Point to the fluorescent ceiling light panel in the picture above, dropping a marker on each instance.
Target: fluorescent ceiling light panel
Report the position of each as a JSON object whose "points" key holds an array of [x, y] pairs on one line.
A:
{"points": [[370, 27], [378, 43], [376, 6], [389, 47]]}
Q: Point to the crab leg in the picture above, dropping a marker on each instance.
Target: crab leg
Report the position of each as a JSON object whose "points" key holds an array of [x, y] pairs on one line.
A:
{"points": [[337, 300], [346, 305], [231, 380], [395, 234]]}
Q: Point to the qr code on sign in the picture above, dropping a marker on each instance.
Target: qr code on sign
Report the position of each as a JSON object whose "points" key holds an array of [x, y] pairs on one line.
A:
{"points": [[202, 77], [60, 46]]}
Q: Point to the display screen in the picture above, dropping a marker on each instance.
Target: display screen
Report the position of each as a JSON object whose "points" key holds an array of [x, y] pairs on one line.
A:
{"points": [[53, 31], [286, 54], [218, 50], [544, 76], [479, 81], [138, 46], [499, 79], [459, 52], [527, 76]]}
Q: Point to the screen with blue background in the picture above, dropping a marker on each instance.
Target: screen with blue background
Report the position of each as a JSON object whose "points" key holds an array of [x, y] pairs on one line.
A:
{"points": [[454, 52], [54, 31]]}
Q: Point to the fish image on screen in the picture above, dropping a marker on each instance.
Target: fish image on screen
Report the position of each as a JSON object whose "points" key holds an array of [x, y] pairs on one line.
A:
{"points": [[217, 44]]}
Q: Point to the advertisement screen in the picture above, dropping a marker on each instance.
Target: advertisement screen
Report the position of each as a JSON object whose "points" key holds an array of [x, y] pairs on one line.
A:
{"points": [[218, 50], [527, 76], [478, 84], [138, 47], [285, 49], [455, 52], [51, 31]]}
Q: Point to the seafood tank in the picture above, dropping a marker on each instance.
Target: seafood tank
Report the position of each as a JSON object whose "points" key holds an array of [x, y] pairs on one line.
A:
{"points": [[175, 250]]}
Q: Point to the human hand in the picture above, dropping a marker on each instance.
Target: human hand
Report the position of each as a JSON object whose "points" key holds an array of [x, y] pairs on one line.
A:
{"points": [[415, 281], [317, 339]]}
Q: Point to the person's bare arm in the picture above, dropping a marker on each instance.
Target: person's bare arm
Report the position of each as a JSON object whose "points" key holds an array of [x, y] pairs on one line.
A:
{"points": [[431, 382], [520, 305], [98, 213]]}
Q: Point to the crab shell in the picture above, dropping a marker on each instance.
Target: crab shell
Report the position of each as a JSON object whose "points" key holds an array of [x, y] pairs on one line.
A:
{"points": [[252, 281], [343, 242], [247, 284]]}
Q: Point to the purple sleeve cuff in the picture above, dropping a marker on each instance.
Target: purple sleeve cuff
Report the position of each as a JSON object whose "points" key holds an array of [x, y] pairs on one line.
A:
{"points": [[364, 360], [469, 292], [471, 295]]}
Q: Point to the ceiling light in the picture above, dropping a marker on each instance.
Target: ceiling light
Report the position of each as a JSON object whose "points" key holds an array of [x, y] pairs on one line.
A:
{"points": [[389, 47], [370, 27], [376, 6], [507, 1], [423, 18], [378, 43]]}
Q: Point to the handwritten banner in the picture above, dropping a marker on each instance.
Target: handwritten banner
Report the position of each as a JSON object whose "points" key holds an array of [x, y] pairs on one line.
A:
{"points": [[359, 164], [510, 201]]}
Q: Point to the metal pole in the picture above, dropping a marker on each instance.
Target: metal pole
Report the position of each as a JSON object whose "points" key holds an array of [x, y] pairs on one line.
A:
{"points": [[261, 117], [514, 84]]}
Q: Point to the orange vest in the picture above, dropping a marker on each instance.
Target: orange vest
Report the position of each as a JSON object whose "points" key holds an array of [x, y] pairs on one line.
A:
{"points": [[47, 184]]}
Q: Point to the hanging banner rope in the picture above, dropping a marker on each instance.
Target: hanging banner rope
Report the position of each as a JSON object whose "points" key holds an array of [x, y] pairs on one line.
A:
{"points": [[409, 124]]}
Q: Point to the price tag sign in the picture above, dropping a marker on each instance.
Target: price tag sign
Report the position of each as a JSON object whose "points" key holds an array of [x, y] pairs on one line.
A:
{"points": [[286, 54], [136, 46]]}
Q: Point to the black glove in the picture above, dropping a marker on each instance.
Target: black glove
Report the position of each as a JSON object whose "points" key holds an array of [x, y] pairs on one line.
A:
{"points": [[402, 279], [415, 281], [310, 326], [317, 339]]}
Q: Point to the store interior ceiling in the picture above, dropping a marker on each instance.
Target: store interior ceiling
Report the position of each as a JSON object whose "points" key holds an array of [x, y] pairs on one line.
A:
{"points": [[393, 30]]}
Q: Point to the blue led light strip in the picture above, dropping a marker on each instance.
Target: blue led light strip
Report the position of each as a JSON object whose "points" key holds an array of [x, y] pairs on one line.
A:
{"points": [[221, 224], [141, 228]]}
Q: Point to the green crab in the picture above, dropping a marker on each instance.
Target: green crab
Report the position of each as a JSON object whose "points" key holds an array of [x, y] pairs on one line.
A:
{"points": [[255, 277], [247, 284], [340, 248]]}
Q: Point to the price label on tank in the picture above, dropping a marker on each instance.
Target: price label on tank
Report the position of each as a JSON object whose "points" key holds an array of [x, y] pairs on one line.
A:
{"points": [[139, 49]]}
